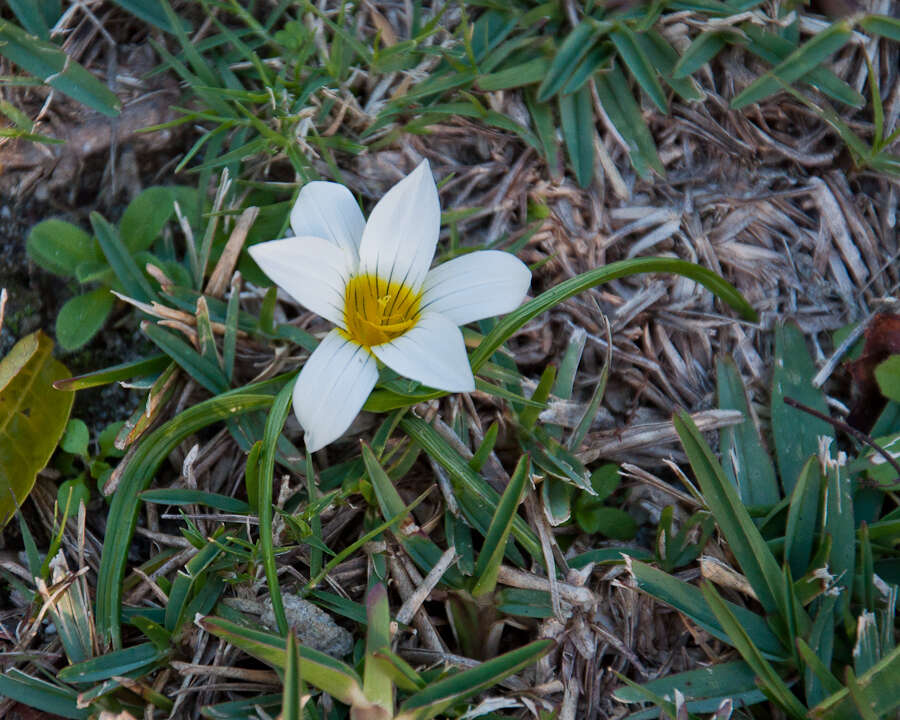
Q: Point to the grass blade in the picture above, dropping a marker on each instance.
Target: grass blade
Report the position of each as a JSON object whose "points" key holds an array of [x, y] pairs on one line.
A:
{"points": [[639, 65], [439, 696], [577, 117], [746, 461], [491, 556], [134, 476], [52, 66], [804, 59], [748, 546], [795, 434]]}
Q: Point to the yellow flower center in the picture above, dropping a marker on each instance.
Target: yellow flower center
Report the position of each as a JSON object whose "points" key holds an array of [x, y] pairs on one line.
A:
{"points": [[377, 311]]}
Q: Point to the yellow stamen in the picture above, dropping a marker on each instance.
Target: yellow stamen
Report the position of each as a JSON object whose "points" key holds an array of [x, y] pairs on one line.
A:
{"points": [[377, 311]]}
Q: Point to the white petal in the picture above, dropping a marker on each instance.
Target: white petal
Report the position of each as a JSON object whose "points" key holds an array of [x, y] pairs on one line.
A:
{"points": [[332, 388], [433, 353], [475, 286], [329, 210], [310, 269], [402, 232]]}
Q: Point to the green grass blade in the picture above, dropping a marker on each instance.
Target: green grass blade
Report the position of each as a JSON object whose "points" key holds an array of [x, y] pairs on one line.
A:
{"points": [[795, 434], [689, 600], [878, 687], [120, 260], [471, 486], [510, 323], [577, 118], [664, 58], [274, 424], [747, 464], [185, 496], [152, 12], [703, 49], [135, 475], [439, 696], [804, 59], [51, 65], [803, 518], [377, 685], [774, 49], [422, 549], [769, 678], [118, 662], [570, 53], [491, 556], [294, 696], [625, 114], [883, 25], [639, 65], [41, 695], [744, 540], [330, 675], [719, 681], [206, 372]]}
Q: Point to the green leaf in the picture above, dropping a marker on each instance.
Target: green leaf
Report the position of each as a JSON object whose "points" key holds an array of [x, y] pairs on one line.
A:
{"points": [[883, 25], [33, 416], [76, 438], [439, 696], [795, 433], [796, 65], [526, 73], [294, 696], [150, 365], [422, 549], [878, 688], [747, 464], [769, 678], [145, 217], [82, 316], [717, 682], [570, 53], [887, 375], [577, 116], [773, 49], [594, 517], [488, 566], [326, 673], [803, 517], [51, 65], [639, 65], [625, 114], [153, 12], [59, 247], [28, 13], [185, 496], [118, 662], [748, 546], [703, 49], [274, 424], [135, 475], [120, 260], [41, 695]]}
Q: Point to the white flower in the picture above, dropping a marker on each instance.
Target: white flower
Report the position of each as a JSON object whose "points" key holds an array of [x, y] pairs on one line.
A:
{"points": [[372, 280]]}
